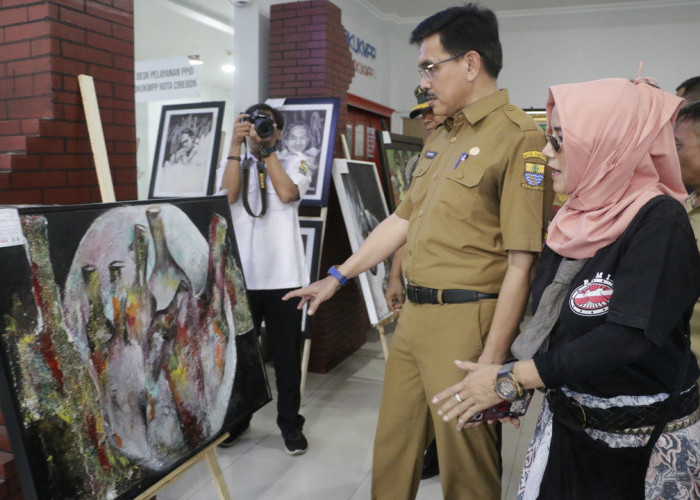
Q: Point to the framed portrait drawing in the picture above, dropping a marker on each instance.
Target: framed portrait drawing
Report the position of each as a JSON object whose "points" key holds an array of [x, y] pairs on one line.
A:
{"points": [[127, 344], [540, 117], [187, 150], [309, 136], [398, 156], [364, 207], [312, 229]]}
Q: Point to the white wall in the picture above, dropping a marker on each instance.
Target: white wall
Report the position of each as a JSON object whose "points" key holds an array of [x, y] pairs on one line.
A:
{"points": [[564, 45], [569, 46], [541, 48]]}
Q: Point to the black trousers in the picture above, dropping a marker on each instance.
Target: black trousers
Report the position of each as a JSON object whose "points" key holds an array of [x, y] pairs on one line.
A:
{"points": [[283, 326]]}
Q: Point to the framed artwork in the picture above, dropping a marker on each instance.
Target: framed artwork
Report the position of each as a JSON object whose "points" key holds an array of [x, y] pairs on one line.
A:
{"points": [[312, 237], [364, 207], [187, 150], [309, 134], [126, 343], [398, 155], [540, 117]]}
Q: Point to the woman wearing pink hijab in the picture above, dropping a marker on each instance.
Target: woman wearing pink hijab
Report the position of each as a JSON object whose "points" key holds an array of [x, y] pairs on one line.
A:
{"points": [[613, 292]]}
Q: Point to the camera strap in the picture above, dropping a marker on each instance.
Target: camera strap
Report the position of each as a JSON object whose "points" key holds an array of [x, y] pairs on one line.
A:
{"points": [[262, 185]]}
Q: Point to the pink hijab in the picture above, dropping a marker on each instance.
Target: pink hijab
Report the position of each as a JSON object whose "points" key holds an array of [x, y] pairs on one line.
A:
{"points": [[620, 153]]}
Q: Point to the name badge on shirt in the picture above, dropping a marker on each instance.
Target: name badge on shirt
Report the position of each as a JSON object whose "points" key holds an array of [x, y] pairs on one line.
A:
{"points": [[430, 154]]}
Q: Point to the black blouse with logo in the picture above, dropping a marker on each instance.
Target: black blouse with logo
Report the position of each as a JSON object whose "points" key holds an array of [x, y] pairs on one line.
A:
{"points": [[622, 326]]}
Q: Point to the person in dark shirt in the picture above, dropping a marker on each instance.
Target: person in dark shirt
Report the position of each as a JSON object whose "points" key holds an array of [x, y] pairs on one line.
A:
{"points": [[613, 293]]}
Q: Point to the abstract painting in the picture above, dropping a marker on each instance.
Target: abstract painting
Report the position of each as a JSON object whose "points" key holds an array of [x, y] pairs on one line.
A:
{"points": [[126, 343], [363, 206]]}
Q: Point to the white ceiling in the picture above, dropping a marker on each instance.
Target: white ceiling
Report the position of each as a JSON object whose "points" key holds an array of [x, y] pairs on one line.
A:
{"points": [[410, 10]]}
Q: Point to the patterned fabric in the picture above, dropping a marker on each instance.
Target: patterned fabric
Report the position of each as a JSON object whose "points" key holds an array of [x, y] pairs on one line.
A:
{"points": [[537, 331], [674, 468]]}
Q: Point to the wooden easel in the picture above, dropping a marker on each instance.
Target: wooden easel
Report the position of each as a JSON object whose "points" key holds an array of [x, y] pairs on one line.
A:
{"points": [[209, 454], [104, 179], [382, 336]]}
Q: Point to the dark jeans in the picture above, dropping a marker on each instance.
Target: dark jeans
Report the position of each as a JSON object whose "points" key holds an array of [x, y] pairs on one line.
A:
{"points": [[283, 326]]}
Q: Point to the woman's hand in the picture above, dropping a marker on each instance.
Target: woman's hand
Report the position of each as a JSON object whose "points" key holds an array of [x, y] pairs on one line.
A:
{"points": [[474, 393]]}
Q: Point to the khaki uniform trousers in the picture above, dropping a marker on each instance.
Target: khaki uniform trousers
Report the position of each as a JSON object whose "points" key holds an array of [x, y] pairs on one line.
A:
{"points": [[427, 340]]}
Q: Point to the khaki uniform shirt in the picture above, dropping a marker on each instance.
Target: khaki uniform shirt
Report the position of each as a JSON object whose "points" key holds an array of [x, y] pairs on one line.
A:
{"points": [[694, 215], [477, 192]]}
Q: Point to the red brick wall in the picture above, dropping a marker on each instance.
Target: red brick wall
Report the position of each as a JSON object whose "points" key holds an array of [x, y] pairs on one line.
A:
{"points": [[309, 57], [45, 153]]}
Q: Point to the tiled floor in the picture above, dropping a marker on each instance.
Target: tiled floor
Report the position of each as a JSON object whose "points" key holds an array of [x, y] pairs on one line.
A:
{"points": [[341, 414]]}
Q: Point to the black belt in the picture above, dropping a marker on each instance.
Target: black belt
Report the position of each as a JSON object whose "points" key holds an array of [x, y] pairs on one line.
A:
{"points": [[420, 295], [622, 417]]}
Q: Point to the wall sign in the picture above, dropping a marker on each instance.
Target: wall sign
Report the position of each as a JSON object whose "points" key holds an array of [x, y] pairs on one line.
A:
{"points": [[160, 79]]}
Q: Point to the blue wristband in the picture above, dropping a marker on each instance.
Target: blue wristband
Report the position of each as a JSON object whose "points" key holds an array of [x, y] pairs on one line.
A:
{"points": [[333, 271]]}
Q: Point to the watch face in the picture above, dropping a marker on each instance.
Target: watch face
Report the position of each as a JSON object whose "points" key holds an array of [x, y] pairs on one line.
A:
{"points": [[505, 388]]}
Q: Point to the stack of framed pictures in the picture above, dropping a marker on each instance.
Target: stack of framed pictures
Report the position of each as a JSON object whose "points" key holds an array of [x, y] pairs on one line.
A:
{"points": [[312, 229]]}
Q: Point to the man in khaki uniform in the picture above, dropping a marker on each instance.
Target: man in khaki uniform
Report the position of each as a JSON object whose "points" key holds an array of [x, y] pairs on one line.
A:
{"points": [[472, 227], [687, 131]]}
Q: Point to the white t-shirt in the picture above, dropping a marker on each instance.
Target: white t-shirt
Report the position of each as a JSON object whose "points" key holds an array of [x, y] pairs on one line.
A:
{"points": [[270, 247]]}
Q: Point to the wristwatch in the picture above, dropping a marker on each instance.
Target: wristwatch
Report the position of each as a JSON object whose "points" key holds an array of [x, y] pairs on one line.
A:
{"points": [[265, 152], [507, 386]]}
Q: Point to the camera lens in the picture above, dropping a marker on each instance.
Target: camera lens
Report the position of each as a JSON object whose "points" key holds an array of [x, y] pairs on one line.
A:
{"points": [[264, 127]]}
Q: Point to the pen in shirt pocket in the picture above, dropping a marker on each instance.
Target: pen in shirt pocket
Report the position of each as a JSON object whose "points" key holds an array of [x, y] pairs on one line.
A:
{"points": [[463, 157]]}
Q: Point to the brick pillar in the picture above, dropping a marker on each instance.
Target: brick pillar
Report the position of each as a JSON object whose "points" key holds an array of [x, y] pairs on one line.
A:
{"points": [[310, 57], [45, 152]]}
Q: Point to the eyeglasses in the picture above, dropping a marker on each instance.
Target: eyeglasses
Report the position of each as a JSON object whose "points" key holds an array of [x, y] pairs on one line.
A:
{"points": [[429, 71], [556, 142]]}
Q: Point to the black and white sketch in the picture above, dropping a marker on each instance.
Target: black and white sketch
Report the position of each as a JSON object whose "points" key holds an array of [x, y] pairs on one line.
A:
{"points": [[364, 207], [187, 150], [308, 134]]}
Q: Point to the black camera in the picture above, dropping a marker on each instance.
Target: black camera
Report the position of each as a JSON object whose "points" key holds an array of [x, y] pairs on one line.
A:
{"points": [[264, 125]]}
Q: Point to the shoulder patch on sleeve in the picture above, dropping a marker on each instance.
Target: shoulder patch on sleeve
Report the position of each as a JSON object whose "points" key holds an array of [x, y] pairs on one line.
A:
{"points": [[534, 170]]}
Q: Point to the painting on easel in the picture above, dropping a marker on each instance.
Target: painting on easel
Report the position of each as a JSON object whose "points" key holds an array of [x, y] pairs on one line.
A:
{"points": [[364, 207], [126, 343]]}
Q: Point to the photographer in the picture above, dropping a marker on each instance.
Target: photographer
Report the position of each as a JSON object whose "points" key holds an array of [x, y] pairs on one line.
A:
{"points": [[264, 197]]}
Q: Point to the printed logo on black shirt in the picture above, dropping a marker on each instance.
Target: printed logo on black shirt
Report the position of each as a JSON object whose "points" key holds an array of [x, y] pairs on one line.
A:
{"points": [[593, 297]]}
